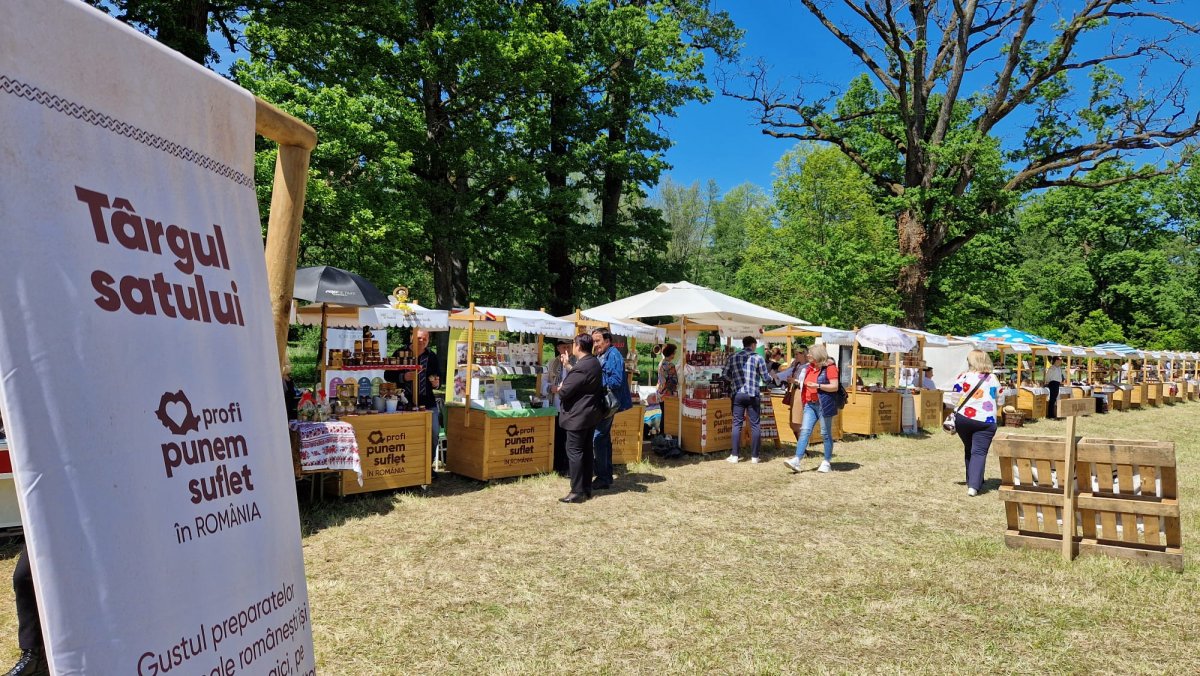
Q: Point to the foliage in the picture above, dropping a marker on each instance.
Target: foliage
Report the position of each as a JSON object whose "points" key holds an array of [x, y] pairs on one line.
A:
{"points": [[950, 164]]}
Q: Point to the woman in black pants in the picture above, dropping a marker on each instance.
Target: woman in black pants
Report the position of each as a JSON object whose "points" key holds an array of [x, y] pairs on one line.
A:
{"points": [[976, 415], [29, 625]]}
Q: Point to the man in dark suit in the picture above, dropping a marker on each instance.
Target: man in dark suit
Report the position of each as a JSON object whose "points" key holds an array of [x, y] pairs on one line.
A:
{"points": [[582, 397]]}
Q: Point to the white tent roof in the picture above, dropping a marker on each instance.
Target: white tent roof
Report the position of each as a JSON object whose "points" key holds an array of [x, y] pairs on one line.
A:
{"points": [[518, 321], [697, 303], [630, 328], [415, 317]]}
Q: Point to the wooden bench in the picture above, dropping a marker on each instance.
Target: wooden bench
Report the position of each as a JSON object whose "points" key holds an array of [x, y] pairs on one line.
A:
{"points": [[1127, 504]]}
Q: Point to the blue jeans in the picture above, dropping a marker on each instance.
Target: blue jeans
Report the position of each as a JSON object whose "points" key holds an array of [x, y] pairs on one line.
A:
{"points": [[812, 413], [746, 406], [602, 452], [437, 430]]}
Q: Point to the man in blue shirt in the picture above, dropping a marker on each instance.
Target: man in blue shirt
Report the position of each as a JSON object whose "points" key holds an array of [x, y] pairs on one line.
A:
{"points": [[746, 371], [613, 365]]}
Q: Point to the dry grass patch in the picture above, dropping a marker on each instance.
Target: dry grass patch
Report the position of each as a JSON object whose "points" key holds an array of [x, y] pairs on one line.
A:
{"points": [[699, 566]]}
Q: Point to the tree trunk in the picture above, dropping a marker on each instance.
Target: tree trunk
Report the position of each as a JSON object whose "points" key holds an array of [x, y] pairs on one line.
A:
{"points": [[560, 223], [450, 281], [186, 29], [619, 102], [913, 281]]}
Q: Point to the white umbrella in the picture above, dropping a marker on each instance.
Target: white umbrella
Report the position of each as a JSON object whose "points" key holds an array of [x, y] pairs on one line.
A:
{"points": [[885, 338], [696, 303]]}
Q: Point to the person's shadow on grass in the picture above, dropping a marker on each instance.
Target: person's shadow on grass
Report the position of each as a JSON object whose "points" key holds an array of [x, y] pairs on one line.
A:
{"points": [[633, 482]]}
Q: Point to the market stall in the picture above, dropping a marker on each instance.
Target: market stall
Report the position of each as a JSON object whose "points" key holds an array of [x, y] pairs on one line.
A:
{"points": [[875, 408], [490, 432], [695, 306], [628, 426]]}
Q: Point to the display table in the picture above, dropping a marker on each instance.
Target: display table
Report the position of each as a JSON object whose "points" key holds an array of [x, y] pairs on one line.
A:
{"points": [[929, 408], [1154, 394], [1138, 395], [326, 446], [781, 414], [393, 449], [499, 443], [870, 413], [10, 511], [1033, 402], [707, 424], [627, 435]]}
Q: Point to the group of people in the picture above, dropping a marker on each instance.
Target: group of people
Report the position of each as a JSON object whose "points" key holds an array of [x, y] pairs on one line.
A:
{"points": [[580, 382]]}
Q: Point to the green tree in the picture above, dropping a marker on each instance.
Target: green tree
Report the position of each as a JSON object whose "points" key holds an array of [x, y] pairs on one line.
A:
{"points": [[182, 25], [932, 147], [830, 258]]}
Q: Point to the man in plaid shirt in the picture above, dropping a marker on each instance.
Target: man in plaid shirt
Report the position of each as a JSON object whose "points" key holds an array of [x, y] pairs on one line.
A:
{"points": [[746, 371]]}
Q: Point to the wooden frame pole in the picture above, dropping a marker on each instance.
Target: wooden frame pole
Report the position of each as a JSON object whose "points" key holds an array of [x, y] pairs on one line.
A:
{"points": [[296, 141]]}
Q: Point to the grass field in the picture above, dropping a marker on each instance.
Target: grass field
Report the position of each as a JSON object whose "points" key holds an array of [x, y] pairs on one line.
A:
{"points": [[699, 566]]}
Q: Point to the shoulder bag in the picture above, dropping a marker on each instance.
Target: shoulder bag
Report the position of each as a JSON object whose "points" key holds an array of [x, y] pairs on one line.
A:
{"points": [[948, 423]]}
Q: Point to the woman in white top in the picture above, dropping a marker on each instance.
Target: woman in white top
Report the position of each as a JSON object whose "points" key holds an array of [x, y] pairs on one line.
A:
{"points": [[1054, 380], [976, 414]]}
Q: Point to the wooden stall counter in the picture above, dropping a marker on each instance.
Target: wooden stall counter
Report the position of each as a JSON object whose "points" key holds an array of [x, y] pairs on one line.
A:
{"points": [[929, 408], [707, 424], [394, 451], [1033, 402], [1173, 392], [1139, 395], [499, 443], [1154, 394], [627, 435], [783, 421], [870, 413], [1193, 390]]}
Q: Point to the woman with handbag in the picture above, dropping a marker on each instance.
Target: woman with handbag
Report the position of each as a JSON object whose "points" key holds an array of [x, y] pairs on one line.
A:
{"points": [[818, 404], [668, 376], [794, 375], [974, 419]]}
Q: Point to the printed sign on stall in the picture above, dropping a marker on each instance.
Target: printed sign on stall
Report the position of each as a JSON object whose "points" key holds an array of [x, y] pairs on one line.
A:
{"points": [[141, 388]]}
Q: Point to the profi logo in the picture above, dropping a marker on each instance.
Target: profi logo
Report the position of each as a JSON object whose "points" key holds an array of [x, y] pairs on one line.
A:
{"points": [[513, 430], [175, 413], [375, 437]]}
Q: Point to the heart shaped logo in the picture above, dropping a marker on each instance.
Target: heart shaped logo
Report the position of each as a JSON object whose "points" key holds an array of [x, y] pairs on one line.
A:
{"points": [[175, 413]]}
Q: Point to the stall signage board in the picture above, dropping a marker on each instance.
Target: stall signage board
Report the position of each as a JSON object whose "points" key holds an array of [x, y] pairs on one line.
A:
{"points": [[141, 386]]}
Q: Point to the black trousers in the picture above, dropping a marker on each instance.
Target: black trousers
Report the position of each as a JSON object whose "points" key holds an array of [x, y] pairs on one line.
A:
{"points": [[580, 462], [976, 438], [1052, 405], [560, 449], [29, 625]]}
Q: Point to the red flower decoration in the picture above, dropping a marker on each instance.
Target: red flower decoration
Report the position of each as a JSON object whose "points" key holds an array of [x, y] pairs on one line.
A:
{"points": [[969, 412]]}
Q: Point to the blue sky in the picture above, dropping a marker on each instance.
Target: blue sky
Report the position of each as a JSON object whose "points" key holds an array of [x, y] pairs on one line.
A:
{"points": [[721, 141]]}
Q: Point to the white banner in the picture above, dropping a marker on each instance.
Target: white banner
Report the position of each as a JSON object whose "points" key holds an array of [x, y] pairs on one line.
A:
{"points": [[137, 357]]}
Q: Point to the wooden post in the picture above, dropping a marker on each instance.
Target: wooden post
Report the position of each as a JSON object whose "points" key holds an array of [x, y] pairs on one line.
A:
{"points": [[854, 371], [470, 365], [296, 141], [416, 375], [1072, 409], [898, 363]]}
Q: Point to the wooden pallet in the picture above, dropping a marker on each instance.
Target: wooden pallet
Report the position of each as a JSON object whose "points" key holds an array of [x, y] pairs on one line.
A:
{"points": [[1127, 504]]}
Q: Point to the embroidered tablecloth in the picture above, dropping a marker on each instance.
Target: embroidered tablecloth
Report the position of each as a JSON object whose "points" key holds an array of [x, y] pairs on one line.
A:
{"points": [[327, 445]]}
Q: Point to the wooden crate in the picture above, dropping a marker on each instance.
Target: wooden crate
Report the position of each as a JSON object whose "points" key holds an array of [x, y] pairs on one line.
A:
{"points": [[929, 409], [1110, 503], [1121, 399], [1034, 406], [627, 436], [871, 413], [783, 420], [494, 448], [1176, 391], [711, 434], [393, 449], [1193, 390], [1154, 394], [1138, 395]]}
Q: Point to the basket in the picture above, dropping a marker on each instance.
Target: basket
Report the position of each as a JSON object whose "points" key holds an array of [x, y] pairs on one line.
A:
{"points": [[1016, 419]]}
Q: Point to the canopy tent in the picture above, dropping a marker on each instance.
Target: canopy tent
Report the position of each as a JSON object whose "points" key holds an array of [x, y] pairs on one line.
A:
{"points": [[693, 303], [509, 319], [697, 303], [620, 327], [1009, 336]]}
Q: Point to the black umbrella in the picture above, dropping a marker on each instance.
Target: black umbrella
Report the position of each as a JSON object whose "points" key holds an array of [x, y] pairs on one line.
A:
{"points": [[327, 284]]}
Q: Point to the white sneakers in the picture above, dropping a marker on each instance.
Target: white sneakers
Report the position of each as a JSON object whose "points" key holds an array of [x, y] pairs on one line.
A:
{"points": [[755, 461], [971, 492], [824, 468], [732, 459], [793, 464]]}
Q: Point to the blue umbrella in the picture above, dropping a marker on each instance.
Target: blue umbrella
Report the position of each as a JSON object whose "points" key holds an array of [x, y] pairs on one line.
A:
{"points": [[1119, 348], [1007, 334]]}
